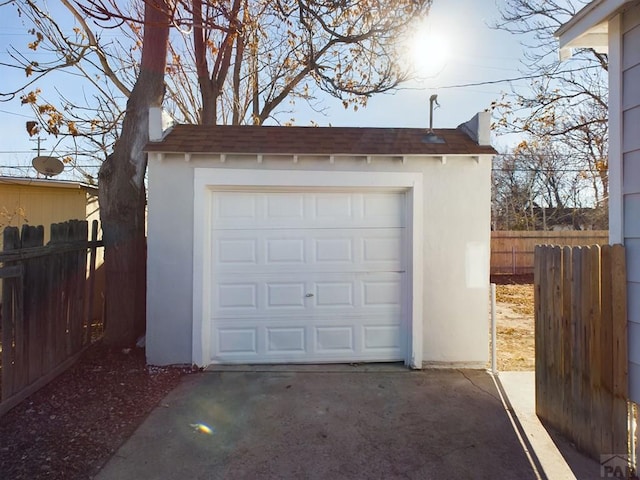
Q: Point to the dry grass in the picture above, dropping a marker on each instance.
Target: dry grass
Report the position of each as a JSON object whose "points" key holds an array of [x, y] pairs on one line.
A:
{"points": [[515, 327], [518, 297]]}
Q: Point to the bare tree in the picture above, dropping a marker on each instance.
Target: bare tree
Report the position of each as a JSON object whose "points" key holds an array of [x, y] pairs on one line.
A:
{"points": [[251, 56], [236, 62], [87, 125], [566, 102], [512, 190], [247, 58], [540, 186]]}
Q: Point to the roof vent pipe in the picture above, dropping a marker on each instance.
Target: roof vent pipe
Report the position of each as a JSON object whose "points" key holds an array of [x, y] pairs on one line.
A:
{"points": [[433, 99]]}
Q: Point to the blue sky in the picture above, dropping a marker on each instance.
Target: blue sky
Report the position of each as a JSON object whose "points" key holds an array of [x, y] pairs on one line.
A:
{"points": [[477, 54]]}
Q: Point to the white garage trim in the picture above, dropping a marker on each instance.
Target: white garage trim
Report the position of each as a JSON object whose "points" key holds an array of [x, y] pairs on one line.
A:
{"points": [[207, 180]]}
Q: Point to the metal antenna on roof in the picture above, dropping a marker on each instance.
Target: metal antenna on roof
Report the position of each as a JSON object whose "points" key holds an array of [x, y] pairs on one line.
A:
{"points": [[433, 99], [39, 147]]}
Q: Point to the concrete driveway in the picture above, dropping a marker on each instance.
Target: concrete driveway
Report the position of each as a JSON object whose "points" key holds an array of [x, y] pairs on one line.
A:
{"points": [[351, 422]]}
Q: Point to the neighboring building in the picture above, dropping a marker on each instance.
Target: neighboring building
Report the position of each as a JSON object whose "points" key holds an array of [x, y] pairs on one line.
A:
{"points": [[37, 201], [613, 27], [316, 245]]}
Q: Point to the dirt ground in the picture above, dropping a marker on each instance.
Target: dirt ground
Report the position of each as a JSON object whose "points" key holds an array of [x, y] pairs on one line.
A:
{"points": [[71, 427], [515, 323]]}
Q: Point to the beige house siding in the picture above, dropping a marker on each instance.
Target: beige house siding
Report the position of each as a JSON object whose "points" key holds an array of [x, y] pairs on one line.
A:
{"points": [[41, 204]]}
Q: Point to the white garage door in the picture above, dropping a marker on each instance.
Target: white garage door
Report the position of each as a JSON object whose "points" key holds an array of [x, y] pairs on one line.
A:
{"points": [[307, 277]]}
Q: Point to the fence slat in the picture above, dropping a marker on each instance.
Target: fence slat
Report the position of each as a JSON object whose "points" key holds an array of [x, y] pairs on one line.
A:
{"points": [[10, 294], [92, 279], [606, 345], [567, 338], [577, 348], [33, 237], [555, 381], [620, 357], [20, 364], [581, 345], [539, 327], [594, 359]]}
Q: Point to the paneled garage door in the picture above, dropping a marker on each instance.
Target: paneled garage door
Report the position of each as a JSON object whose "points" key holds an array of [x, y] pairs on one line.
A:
{"points": [[307, 277]]}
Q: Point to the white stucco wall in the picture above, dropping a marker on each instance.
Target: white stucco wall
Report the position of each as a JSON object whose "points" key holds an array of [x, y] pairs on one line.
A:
{"points": [[456, 216]]}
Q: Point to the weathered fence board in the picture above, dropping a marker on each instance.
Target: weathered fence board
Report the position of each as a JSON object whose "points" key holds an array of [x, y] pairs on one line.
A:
{"points": [[92, 282], [581, 345], [619, 347], [46, 316], [12, 320]]}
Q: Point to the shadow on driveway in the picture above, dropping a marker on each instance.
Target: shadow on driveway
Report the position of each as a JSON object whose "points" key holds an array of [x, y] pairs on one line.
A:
{"points": [[330, 422]]}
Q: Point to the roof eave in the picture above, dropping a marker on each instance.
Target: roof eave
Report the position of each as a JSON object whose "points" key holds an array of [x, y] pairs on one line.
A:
{"points": [[45, 182], [327, 154], [589, 27]]}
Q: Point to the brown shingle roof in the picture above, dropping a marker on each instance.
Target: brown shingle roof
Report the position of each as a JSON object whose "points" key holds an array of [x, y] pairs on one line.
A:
{"points": [[315, 140]]}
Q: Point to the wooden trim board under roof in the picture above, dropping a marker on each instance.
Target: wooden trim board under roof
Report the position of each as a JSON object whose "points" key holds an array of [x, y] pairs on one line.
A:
{"points": [[47, 182], [334, 142], [296, 158]]}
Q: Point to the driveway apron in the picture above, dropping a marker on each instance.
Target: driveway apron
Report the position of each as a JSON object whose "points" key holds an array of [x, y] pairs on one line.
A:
{"points": [[328, 422]]}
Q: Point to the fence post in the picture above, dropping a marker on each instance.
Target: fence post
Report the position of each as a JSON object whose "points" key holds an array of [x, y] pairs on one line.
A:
{"points": [[92, 273], [513, 260], [494, 348]]}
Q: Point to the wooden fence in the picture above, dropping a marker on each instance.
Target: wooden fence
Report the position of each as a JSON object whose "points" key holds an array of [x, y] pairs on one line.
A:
{"points": [[512, 251], [47, 311], [581, 345]]}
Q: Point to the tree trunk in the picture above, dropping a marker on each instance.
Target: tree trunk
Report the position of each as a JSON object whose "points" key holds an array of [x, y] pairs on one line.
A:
{"points": [[208, 91], [237, 71], [122, 195]]}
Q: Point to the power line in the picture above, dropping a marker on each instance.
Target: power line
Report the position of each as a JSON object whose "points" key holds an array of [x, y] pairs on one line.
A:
{"points": [[16, 114], [68, 167], [495, 169], [540, 170], [513, 79]]}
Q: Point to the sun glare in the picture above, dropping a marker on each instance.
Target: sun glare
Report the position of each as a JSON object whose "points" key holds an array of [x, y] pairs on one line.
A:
{"points": [[429, 50]]}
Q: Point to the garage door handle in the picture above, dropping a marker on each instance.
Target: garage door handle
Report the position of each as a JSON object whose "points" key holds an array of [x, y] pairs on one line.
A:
{"points": [[309, 295]]}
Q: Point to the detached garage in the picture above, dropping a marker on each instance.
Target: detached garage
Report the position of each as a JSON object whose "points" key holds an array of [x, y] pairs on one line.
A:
{"points": [[317, 245]]}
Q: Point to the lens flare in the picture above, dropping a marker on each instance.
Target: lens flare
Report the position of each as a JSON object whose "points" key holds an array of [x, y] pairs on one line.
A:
{"points": [[202, 428]]}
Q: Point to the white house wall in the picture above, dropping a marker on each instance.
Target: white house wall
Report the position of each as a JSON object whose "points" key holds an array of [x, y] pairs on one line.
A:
{"points": [[456, 217], [169, 262]]}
